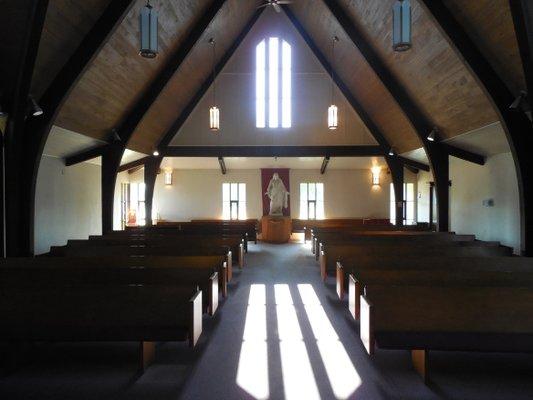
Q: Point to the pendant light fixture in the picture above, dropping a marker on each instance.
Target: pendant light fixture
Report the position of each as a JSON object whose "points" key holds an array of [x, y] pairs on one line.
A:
{"points": [[401, 25], [214, 112], [333, 115], [148, 28]]}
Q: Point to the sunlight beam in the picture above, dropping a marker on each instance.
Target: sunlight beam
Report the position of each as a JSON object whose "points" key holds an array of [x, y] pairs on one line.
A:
{"points": [[342, 375]]}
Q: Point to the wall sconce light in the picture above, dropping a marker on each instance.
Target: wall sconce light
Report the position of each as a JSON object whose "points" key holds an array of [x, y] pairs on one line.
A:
{"points": [[376, 170], [168, 177]]}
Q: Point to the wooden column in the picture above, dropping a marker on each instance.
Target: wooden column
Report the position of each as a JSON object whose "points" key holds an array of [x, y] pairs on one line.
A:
{"points": [[440, 166], [522, 11], [397, 175], [151, 169], [110, 163]]}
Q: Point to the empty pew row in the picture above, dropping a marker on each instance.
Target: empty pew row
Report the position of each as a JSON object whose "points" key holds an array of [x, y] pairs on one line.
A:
{"points": [[333, 258], [235, 244], [103, 312], [422, 318], [141, 252], [321, 239]]}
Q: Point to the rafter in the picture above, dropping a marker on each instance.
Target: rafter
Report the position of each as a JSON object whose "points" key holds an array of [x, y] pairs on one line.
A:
{"points": [[413, 164], [517, 126], [178, 123], [325, 163], [522, 11], [436, 155], [24, 28], [134, 164], [85, 155]]}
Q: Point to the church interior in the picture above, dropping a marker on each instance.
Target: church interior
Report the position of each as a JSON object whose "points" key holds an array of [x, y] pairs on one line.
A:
{"points": [[266, 199]]}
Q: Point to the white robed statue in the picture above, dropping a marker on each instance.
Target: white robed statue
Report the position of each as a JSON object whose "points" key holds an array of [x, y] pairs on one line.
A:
{"points": [[278, 195]]}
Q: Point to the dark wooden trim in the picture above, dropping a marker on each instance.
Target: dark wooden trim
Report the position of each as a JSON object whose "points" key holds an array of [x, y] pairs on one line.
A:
{"points": [[522, 11], [128, 126], [85, 155], [151, 169], [517, 126], [19, 212], [272, 151], [463, 154], [397, 175], [222, 165], [421, 123], [357, 107], [178, 123], [324, 166], [413, 163], [134, 164]]}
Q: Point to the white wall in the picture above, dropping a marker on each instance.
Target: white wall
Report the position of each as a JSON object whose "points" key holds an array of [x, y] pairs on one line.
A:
{"points": [[198, 193], [471, 184], [423, 195], [67, 203], [311, 97]]}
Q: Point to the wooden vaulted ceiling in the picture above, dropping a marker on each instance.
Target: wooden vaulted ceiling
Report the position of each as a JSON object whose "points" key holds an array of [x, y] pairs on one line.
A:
{"points": [[431, 72]]}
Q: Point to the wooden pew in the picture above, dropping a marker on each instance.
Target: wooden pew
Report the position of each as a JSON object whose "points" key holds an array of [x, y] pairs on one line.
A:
{"points": [[448, 268], [333, 257], [192, 272], [145, 314], [140, 251], [413, 237], [234, 243], [423, 318]]}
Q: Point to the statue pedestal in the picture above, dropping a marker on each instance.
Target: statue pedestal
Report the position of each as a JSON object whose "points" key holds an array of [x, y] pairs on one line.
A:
{"points": [[276, 229]]}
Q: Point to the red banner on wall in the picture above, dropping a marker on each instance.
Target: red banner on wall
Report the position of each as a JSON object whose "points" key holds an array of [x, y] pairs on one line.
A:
{"points": [[266, 176]]}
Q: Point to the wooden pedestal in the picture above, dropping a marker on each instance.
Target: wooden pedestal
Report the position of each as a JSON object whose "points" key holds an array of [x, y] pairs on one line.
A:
{"points": [[276, 229]]}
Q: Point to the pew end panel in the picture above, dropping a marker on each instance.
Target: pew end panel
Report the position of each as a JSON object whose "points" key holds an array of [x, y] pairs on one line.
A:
{"points": [[340, 280], [419, 357], [323, 271], [366, 325], [241, 256], [352, 300], [229, 264], [195, 323], [146, 355], [224, 280], [213, 293]]}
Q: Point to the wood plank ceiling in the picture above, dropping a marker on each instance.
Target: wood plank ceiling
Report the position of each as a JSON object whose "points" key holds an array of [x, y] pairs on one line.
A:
{"points": [[432, 73]]}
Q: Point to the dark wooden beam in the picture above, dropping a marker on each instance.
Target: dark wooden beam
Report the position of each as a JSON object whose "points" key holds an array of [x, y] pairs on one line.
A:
{"points": [[272, 151], [151, 169], [110, 158], [128, 125], [33, 133], [397, 175], [222, 165], [178, 123], [412, 169], [357, 107], [413, 163], [134, 116], [517, 126], [522, 11], [134, 164], [463, 154], [85, 155], [135, 169], [420, 122], [325, 163], [22, 22]]}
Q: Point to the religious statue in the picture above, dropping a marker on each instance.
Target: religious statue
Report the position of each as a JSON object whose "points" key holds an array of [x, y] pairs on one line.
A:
{"points": [[278, 195]]}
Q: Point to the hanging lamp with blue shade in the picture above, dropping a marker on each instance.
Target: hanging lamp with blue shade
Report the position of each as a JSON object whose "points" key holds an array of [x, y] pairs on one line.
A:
{"points": [[401, 25], [148, 28]]}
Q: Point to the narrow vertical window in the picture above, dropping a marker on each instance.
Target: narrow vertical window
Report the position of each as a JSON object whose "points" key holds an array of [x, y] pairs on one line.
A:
{"points": [[273, 74], [260, 85], [311, 201], [273, 89], [286, 85], [234, 201]]}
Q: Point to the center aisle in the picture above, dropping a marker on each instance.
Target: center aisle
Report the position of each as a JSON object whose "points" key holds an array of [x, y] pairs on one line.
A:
{"points": [[283, 335]]}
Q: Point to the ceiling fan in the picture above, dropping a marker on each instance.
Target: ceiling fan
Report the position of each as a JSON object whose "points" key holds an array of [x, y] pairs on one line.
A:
{"points": [[275, 3]]}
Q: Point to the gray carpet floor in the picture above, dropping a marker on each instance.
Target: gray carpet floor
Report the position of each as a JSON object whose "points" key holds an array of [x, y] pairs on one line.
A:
{"points": [[281, 334]]}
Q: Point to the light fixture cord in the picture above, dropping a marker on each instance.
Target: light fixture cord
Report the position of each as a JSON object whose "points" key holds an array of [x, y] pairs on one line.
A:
{"points": [[214, 77], [332, 64]]}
